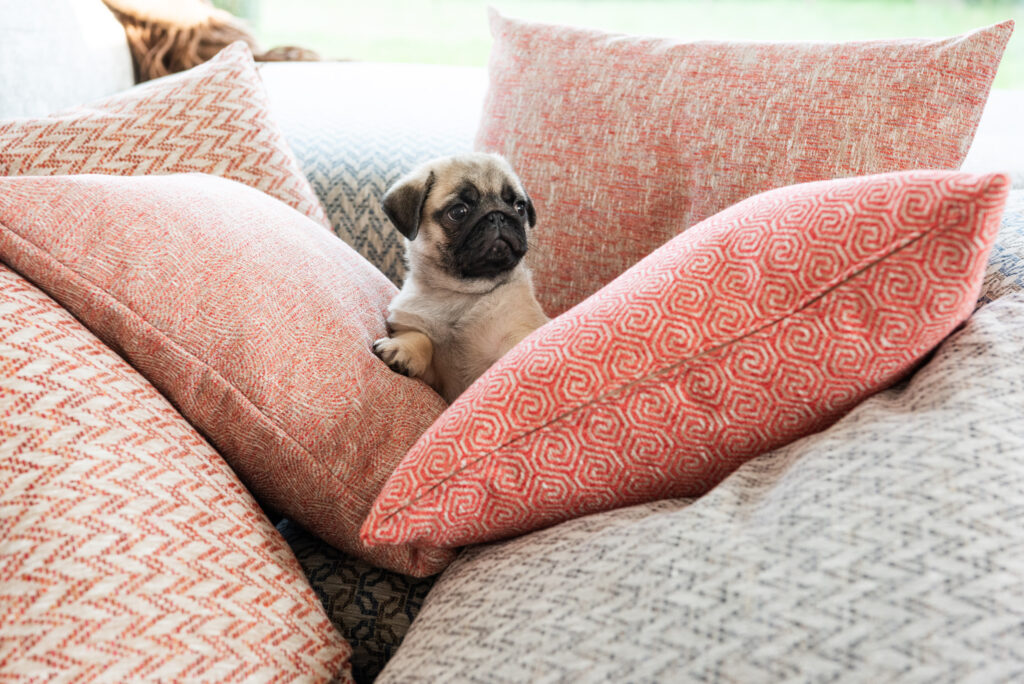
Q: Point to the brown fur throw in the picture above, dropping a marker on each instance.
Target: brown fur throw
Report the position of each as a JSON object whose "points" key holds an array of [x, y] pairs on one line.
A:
{"points": [[166, 36]]}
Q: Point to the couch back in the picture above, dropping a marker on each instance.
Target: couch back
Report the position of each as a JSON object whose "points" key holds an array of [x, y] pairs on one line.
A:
{"points": [[56, 54]]}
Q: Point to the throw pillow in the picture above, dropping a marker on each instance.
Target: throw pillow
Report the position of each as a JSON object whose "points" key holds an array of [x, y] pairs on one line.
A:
{"points": [[887, 548], [624, 141], [211, 119], [129, 551], [760, 325], [253, 320]]}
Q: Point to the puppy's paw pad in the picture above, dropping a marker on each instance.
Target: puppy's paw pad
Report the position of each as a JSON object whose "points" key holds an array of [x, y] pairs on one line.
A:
{"points": [[389, 351], [399, 358]]}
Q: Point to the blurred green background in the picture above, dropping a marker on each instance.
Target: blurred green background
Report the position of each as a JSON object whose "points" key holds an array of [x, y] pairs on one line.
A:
{"points": [[455, 31]]}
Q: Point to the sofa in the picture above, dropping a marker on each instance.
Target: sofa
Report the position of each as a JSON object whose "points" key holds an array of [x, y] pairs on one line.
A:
{"points": [[151, 532]]}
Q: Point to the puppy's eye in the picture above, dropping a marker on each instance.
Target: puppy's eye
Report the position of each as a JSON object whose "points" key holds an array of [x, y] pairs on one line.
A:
{"points": [[520, 207], [458, 212]]}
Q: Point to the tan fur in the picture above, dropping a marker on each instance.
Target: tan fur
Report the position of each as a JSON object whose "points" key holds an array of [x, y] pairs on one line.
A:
{"points": [[469, 323]]}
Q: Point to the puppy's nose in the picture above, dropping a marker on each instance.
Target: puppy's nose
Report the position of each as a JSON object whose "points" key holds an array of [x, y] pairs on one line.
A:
{"points": [[496, 219]]}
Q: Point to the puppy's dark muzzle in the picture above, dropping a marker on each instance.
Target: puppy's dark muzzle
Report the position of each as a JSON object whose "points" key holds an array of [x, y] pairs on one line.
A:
{"points": [[496, 244]]}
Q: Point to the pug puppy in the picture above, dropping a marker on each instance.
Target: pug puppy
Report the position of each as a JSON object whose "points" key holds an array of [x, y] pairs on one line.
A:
{"points": [[467, 296]]}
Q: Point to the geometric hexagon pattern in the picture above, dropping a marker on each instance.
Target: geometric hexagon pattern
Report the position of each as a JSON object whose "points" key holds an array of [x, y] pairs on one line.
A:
{"points": [[129, 550], [762, 324], [888, 548], [212, 119], [623, 141]]}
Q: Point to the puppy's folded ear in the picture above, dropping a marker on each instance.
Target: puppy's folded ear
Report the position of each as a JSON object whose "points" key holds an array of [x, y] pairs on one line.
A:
{"points": [[403, 203], [531, 213]]}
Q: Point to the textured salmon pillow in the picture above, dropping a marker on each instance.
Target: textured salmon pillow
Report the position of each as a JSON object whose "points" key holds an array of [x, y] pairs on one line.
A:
{"points": [[129, 551], [213, 119], [251, 318], [624, 141], [756, 327]]}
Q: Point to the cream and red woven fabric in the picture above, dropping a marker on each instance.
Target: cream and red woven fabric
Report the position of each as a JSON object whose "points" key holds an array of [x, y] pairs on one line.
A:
{"points": [[756, 327], [253, 320], [129, 551], [213, 119], [623, 142]]}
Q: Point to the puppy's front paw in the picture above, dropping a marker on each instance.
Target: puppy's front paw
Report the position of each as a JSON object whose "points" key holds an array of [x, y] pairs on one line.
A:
{"points": [[400, 356]]}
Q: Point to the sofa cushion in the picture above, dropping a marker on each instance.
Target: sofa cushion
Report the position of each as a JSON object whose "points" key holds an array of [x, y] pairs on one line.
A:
{"points": [[887, 548], [370, 606], [211, 119], [129, 550], [254, 320], [1005, 271], [58, 54], [762, 324], [623, 142]]}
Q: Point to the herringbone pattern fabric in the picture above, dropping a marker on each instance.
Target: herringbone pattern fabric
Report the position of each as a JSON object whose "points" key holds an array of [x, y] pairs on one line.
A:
{"points": [[889, 548], [756, 327], [252, 319], [129, 551], [211, 119], [623, 142]]}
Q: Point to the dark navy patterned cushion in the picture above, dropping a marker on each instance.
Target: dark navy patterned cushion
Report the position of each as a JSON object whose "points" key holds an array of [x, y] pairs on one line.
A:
{"points": [[372, 608]]}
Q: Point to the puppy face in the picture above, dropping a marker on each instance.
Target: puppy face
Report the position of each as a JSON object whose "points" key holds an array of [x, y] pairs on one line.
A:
{"points": [[466, 215]]}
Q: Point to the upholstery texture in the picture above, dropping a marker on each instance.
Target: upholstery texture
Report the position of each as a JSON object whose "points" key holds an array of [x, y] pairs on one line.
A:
{"points": [[129, 551], [623, 142], [352, 153], [370, 606], [888, 548], [211, 119], [1005, 272], [761, 325], [255, 321], [58, 54]]}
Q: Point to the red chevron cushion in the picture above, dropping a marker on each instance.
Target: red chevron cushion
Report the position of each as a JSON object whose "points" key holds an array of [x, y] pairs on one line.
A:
{"points": [[129, 551], [214, 119], [756, 327], [253, 320], [624, 141]]}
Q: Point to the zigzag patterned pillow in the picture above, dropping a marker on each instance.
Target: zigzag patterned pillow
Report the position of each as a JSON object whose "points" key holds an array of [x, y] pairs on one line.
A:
{"points": [[211, 119], [129, 551], [758, 326], [624, 141]]}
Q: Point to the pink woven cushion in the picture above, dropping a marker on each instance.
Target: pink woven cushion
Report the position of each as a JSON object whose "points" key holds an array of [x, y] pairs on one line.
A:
{"points": [[623, 142], [253, 320], [759, 325], [129, 551], [211, 119]]}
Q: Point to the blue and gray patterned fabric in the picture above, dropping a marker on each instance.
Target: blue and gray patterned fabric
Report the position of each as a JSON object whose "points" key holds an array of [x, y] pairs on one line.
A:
{"points": [[1005, 272], [887, 548]]}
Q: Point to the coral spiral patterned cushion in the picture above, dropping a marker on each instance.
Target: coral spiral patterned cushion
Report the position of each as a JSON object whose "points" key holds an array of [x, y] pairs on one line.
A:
{"points": [[211, 119], [251, 318], [129, 551], [623, 142], [888, 548], [759, 325]]}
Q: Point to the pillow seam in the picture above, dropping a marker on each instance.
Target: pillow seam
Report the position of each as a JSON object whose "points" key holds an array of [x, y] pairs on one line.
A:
{"points": [[271, 423], [665, 369]]}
